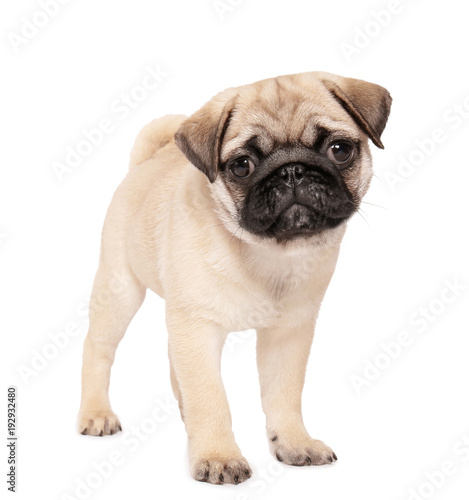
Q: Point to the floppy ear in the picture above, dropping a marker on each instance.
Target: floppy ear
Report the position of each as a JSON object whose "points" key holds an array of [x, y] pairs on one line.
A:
{"points": [[367, 103], [201, 135]]}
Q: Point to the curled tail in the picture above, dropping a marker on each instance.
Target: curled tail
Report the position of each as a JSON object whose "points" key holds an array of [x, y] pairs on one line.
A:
{"points": [[153, 137]]}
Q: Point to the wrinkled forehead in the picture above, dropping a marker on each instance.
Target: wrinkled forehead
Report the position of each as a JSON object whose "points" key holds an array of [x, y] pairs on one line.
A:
{"points": [[284, 111]]}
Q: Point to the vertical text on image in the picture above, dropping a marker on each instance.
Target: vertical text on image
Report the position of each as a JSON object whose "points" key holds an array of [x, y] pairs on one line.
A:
{"points": [[12, 438]]}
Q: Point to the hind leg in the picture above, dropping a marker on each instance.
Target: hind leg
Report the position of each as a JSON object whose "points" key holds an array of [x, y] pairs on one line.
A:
{"points": [[116, 297]]}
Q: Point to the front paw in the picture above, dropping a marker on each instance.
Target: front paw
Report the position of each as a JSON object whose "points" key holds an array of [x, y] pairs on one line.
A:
{"points": [[220, 464], [98, 423], [219, 470], [306, 451]]}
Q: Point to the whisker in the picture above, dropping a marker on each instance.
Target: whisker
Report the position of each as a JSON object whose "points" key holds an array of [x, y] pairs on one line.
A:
{"points": [[363, 211], [234, 234], [362, 216], [374, 204]]}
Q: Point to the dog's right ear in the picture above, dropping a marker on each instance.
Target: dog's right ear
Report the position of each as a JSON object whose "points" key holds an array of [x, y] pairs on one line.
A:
{"points": [[201, 135]]}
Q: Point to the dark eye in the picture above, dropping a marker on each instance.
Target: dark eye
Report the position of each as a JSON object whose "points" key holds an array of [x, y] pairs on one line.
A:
{"points": [[243, 167], [340, 152]]}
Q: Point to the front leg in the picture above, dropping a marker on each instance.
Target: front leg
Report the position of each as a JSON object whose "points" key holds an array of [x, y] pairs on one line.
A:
{"points": [[282, 355], [195, 348]]}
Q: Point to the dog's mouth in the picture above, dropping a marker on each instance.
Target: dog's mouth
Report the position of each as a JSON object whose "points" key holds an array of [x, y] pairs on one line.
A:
{"points": [[300, 220], [298, 214]]}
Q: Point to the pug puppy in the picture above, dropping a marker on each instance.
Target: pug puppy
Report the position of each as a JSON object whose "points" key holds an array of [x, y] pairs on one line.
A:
{"points": [[234, 216]]}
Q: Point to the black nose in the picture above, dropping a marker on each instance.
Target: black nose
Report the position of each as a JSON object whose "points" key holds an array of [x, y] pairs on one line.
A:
{"points": [[292, 174]]}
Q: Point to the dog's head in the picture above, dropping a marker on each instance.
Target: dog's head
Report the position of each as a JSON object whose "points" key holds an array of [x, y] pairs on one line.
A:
{"points": [[288, 157]]}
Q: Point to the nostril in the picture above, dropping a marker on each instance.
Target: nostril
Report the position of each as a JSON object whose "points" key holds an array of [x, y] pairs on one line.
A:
{"points": [[283, 172], [299, 171]]}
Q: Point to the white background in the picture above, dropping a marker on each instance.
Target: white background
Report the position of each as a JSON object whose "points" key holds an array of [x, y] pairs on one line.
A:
{"points": [[389, 435]]}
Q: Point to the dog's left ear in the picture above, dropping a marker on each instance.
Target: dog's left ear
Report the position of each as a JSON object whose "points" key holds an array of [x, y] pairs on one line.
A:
{"points": [[367, 103], [201, 135]]}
